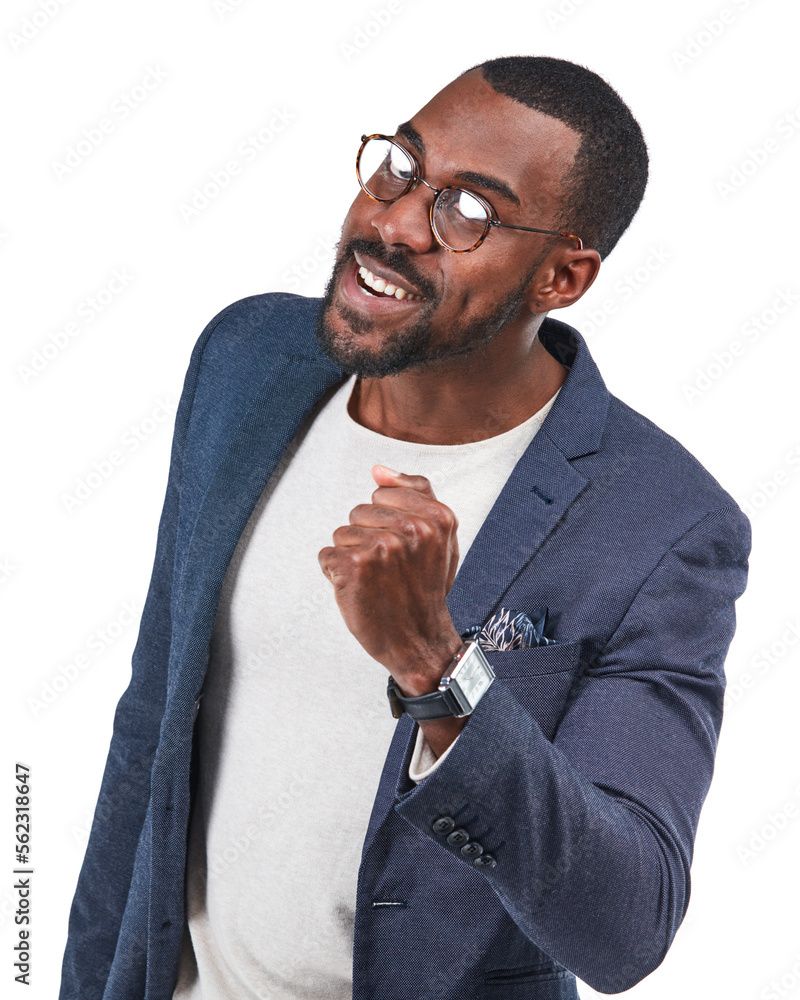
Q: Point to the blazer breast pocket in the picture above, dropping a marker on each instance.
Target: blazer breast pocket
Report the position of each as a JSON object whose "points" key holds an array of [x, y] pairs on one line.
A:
{"points": [[540, 678]]}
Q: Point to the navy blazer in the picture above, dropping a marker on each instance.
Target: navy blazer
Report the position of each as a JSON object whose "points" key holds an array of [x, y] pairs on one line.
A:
{"points": [[582, 770]]}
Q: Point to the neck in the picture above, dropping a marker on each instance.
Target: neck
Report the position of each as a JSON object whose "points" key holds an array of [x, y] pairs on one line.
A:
{"points": [[467, 398]]}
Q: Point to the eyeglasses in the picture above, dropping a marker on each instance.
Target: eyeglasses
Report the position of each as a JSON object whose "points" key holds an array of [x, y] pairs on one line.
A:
{"points": [[460, 219]]}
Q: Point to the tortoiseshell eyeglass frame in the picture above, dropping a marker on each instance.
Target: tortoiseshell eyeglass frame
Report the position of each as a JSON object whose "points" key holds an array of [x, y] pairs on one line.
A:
{"points": [[416, 178]]}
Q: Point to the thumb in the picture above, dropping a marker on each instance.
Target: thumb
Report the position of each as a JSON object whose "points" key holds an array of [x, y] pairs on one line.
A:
{"points": [[384, 476]]}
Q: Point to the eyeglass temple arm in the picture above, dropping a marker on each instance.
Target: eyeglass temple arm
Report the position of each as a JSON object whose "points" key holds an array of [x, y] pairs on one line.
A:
{"points": [[547, 232]]}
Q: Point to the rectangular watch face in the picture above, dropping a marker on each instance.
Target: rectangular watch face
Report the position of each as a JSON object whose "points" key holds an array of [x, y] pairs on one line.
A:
{"points": [[473, 676], [473, 684]]}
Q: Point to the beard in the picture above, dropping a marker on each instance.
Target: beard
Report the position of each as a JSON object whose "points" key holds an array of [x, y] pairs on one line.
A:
{"points": [[411, 347]]}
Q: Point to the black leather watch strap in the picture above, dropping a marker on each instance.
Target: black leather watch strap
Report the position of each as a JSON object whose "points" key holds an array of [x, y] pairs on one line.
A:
{"points": [[436, 705]]}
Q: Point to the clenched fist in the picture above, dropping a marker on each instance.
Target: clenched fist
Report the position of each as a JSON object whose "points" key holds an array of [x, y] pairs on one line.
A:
{"points": [[391, 568]]}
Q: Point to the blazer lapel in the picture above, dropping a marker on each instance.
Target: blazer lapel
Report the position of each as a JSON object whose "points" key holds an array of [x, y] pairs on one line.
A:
{"points": [[537, 494], [249, 459], [521, 519], [542, 487], [535, 497]]}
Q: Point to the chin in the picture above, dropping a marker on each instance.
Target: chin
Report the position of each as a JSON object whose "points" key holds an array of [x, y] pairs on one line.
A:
{"points": [[347, 347]]}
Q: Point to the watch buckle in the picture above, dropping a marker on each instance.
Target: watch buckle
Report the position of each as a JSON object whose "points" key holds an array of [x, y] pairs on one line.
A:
{"points": [[394, 703]]}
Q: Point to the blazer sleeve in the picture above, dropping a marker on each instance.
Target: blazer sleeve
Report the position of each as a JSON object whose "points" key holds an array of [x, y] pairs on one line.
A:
{"points": [[593, 833], [105, 876]]}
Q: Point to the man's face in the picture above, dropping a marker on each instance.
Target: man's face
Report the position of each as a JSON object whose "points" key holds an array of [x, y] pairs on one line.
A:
{"points": [[467, 136]]}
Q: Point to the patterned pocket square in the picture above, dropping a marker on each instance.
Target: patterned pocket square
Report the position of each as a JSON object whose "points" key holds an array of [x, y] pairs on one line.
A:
{"points": [[511, 630]]}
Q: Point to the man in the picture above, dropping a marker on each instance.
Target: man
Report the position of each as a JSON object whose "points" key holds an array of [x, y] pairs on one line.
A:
{"points": [[547, 583]]}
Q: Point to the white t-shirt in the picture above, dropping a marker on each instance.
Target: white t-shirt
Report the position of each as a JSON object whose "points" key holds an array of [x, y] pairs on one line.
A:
{"points": [[294, 723]]}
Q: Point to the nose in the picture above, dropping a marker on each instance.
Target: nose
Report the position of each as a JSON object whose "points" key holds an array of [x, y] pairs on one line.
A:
{"points": [[406, 222]]}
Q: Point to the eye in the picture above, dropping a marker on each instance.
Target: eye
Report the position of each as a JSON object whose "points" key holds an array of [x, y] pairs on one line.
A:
{"points": [[469, 207], [459, 219], [398, 166], [385, 170]]}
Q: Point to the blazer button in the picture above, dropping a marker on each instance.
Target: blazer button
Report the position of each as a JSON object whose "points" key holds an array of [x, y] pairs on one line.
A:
{"points": [[458, 837], [444, 824], [484, 861], [472, 850]]}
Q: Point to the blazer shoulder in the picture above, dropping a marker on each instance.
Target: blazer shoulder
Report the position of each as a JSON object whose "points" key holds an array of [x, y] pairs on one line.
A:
{"points": [[663, 459], [243, 345], [272, 321], [622, 445]]}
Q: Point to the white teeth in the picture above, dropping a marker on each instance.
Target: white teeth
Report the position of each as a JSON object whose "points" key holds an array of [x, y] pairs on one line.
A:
{"points": [[385, 287]]}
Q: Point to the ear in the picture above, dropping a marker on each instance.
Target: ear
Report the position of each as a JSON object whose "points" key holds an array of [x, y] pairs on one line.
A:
{"points": [[562, 279]]}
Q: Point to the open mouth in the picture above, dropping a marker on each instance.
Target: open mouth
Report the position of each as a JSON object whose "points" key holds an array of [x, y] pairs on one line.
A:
{"points": [[370, 284]]}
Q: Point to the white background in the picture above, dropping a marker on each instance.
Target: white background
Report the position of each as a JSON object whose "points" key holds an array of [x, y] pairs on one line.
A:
{"points": [[712, 95]]}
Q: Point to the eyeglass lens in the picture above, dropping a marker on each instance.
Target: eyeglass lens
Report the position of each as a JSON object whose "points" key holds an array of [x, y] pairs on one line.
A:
{"points": [[386, 172]]}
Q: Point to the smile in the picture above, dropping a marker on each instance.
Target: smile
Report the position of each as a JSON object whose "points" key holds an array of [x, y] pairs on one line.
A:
{"points": [[380, 286], [373, 284]]}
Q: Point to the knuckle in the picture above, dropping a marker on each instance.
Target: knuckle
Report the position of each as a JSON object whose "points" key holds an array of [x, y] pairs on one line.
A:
{"points": [[388, 541], [417, 530], [409, 528], [442, 517], [449, 518], [358, 512], [426, 530]]}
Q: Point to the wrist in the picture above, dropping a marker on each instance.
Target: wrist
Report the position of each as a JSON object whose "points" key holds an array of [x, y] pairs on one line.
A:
{"points": [[441, 733], [462, 685], [421, 673]]}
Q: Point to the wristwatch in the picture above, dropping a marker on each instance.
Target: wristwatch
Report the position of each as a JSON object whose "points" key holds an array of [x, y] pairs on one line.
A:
{"points": [[464, 683]]}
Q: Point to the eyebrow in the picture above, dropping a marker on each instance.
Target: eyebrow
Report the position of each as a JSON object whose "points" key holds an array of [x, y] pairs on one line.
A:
{"points": [[411, 135]]}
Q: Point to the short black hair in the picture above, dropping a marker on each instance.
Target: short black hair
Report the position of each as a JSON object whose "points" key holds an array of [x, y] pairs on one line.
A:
{"points": [[606, 184]]}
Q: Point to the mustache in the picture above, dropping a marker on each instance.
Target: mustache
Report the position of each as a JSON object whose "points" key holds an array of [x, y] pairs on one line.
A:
{"points": [[397, 260]]}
